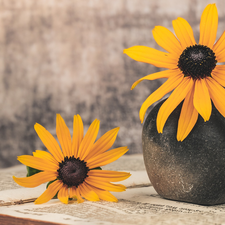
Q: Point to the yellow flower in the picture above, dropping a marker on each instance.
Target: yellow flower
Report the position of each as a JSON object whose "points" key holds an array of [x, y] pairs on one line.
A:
{"points": [[192, 71], [73, 170]]}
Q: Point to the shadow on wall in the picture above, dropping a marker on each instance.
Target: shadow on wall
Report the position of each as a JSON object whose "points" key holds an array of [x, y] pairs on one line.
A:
{"points": [[66, 57]]}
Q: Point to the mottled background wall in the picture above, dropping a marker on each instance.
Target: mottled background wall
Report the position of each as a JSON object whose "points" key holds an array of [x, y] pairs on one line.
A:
{"points": [[65, 56]]}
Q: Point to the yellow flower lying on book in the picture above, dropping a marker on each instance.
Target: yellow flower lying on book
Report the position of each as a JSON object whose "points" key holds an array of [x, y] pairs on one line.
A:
{"points": [[75, 170], [192, 72]]}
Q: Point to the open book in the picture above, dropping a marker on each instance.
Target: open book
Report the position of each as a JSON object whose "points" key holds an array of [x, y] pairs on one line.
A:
{"points": [[139, 204]]}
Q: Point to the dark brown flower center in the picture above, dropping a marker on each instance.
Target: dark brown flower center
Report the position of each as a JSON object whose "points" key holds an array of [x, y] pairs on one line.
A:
{"points": [[72, 171], [197, 61]]}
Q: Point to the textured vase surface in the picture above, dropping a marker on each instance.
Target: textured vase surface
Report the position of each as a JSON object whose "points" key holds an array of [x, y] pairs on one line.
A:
{"points": [[192, 170]]}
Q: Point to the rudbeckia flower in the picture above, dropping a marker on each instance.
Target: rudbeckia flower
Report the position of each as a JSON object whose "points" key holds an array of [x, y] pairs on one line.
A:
{"points": [[193, 73], [75, 170]]}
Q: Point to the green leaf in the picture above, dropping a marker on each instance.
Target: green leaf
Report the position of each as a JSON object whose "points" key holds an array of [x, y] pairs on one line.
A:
{"points": [[97, 168], [31, 171]]}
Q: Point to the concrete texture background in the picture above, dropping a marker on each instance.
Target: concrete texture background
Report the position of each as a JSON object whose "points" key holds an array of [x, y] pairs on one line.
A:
{"points": [[65, 56]]}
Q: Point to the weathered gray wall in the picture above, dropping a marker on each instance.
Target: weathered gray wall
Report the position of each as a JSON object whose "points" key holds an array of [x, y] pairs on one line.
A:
{"points": [[65, 56]]}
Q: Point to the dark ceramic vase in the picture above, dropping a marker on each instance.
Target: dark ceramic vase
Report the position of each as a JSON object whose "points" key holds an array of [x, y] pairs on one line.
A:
{"points": [[190, 171]]}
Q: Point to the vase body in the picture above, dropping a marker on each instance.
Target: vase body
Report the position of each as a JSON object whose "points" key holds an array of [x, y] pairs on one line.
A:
{"points": [[192, 170]]}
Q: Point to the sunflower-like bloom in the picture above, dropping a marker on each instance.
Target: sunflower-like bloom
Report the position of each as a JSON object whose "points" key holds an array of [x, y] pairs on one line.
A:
{"points": [[193, 73], [74, 170]]}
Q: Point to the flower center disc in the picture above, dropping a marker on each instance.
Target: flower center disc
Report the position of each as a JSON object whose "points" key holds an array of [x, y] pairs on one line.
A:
{"points": [[197, 61], [72, 171]]}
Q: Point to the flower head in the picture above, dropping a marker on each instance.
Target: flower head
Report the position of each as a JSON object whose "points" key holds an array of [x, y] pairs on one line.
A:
{"points": [[193, 74], [75, 170]]}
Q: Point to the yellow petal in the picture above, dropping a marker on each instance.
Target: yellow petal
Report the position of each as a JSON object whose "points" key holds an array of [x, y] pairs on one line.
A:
{"points": [[49, 141], [103, 143], [172, 102], [45, 155], [202, 101], [63, 135], [88, 193], [152, 56], [105, 185], [165, 88], [108, 175], [50, 192], [89, 139], [78, 195], [78, 132], [166, 39], [106, 157], [188, 117], [104, 195], [74, 192], [219, 48], [217, 94], [63, 194], [36, 179], [208, 26], [218, 74], [184, 32], [37, 163], [157, 75]]}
